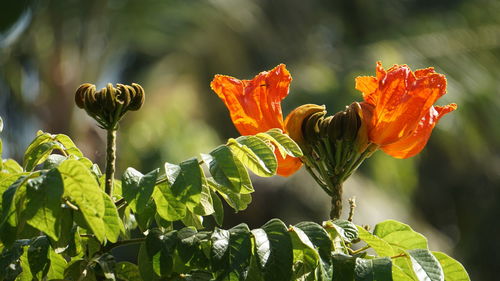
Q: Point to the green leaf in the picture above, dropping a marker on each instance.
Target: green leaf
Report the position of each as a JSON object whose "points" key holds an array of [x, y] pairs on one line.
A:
{"points": [[41, 138], [227, 170], [12, 205], [305, 256], [167, 205], [146, 265], [373, 269], [193, 220], [107, 263], [255, 154], [25, 274], [278, 265], [231, 250], [206, 206], [43, 204], [400, 235], [6, 180], [425, 265], [187, 186], [57, 266], [218, 208], [401, 275], [381, 247], [82, 189], [9, 259], [39, 154], [343, 267], [11, 166], [38, 256], [453, 270], [146, 188], [69, 146], [127, 271], [131, 179], [53, 161], [319, 238], [237, 201], [113, 225], [346, 229], [220, 244], [335, 232], [283, 142]]}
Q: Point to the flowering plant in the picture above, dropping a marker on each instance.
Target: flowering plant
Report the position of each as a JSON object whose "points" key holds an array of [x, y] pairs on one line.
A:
{"points": [[61, 217]]}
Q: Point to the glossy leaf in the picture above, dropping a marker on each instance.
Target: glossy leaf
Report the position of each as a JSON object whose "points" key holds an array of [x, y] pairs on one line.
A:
{"points": [[113, 225], [346, 229], [11, 166], [373, 269], [305, 257], [137, 188], [57, 266], [278, 265], [283, 142], [237, 201], [167, 205], [425, 265], [69, 146], [319, 238], [206, 206], [218, 208], [188, 183], [343, 267], [82, 190], [381, 247], [38, 256], [9, 259], [400, 235], [255, 154], [227, 170], [127, 271], [43, 206], [452, 269]]}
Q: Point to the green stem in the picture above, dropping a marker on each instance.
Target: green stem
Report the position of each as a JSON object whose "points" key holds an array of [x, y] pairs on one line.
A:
{"points": [[110, 161], [336, 208]]}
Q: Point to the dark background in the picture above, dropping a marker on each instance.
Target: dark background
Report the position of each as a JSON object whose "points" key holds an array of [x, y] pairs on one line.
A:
{"points": [[449, 192]]}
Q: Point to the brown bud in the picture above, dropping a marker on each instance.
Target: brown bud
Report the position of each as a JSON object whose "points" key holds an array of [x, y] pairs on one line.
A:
{"points": [[310, 126], [81, 92], [335, 128], [294, 121], [351, 122], [109, 94], [323, 127], [137, 99], [123, 96]]}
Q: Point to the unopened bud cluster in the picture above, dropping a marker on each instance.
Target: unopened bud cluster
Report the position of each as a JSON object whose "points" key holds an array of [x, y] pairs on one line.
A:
{"points": [[333, 146], [108, 105]]}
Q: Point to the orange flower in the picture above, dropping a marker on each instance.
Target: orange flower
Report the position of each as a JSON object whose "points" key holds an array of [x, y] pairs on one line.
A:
{"points": [[255, 106], [398, 107]]}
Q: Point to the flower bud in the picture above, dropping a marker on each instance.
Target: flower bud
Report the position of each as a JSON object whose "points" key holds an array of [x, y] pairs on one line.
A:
{"points": [[109, 104], [295, 120], [137, 98]]}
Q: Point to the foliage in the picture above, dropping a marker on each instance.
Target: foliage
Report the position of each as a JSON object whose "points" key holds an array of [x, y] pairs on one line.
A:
{"points": [[58, 223]]}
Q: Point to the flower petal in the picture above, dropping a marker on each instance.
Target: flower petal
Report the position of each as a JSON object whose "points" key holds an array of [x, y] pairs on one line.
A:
{"points": [[288, 165], [367, 85], [402, 99], [255, 105], [413, 144]]}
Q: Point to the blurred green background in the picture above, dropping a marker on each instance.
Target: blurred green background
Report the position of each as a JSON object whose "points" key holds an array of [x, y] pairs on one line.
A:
{"points": [[450, 192]]}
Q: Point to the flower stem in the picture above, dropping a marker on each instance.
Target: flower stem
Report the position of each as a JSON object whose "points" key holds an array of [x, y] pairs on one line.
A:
{"points": [[110, 161], [336, 208]]}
